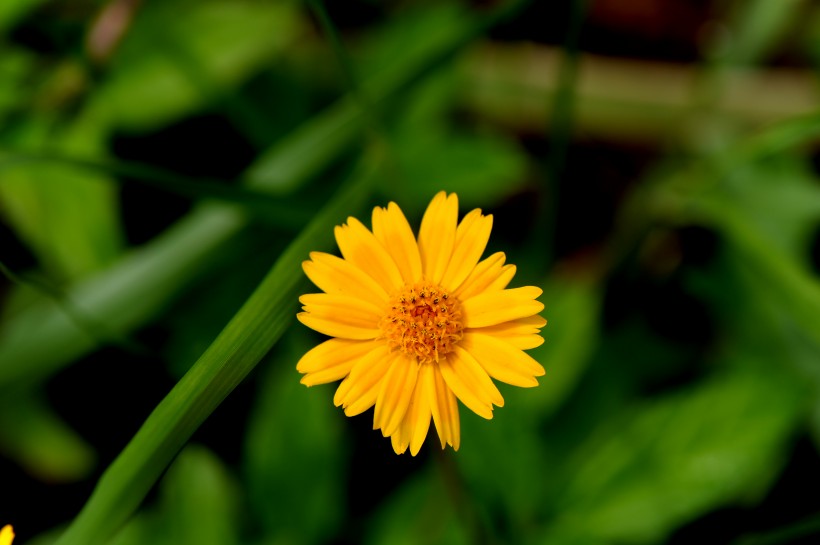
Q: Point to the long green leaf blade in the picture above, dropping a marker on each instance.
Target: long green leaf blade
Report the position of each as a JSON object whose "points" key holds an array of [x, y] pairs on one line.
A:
{"points": [[235, 352]]}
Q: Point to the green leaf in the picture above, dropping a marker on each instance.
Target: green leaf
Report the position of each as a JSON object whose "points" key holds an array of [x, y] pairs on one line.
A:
{"points": [[501, 461], [765, 204], [199, 501], [398, 37], [510, 444], [15, 66], [481, 169], [666, 461], [316, 142], [779, 197], [421, 510], [759, 27], [170, 65], [309, 148], [773, 246], [294, 453], [572, 309], [11, 11], [117, 300], [143, 528], [69, 219], [429, 106]]}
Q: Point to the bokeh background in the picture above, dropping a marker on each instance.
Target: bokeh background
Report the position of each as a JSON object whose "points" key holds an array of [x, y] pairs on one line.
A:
{"points": [[652, 164]]}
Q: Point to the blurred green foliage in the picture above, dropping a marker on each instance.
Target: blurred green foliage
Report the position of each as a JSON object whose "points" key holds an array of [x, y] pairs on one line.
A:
{"points": [[682, 376]]}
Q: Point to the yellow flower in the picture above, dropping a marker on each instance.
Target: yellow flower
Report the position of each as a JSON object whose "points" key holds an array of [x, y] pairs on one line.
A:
{"points": [[419, 323], [6, 535]]}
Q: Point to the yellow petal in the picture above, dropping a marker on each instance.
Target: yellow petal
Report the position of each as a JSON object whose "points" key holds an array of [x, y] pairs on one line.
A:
{"points": [[536, 321], [342, 308], [334, 275], [391, 229], [471, 239], [395, 394], [332, 360], [401, 439], [418, 413], [504, 277], [416, 422], [335, 328], [6, 535], [444, 408], [358, 392], [523, 333], [501, 360], [437, 235], [360, 247], [520, 326], [470, 383], [495, 307], [483, 275], [521, 341]]}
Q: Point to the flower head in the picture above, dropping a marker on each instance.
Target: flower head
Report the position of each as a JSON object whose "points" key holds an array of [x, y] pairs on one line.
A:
{"points": [[6, 535], [419, 323]]}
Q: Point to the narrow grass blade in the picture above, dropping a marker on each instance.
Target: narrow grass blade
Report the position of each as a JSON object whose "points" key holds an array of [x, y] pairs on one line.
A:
{"points": [[235, 352], [562, 120], [373, 116]]}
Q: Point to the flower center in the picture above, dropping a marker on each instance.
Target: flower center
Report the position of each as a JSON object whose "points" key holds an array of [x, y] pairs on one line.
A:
{"points": [[423, 321]]}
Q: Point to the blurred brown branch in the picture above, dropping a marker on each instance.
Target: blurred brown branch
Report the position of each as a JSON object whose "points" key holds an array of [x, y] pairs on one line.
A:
{"points": [[625, 99]]}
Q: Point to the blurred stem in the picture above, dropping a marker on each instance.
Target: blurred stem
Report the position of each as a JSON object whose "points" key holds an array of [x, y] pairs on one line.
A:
{"points": [[371, 113], [264, 207], [367, 106], [479, 534], [562, 120]]}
